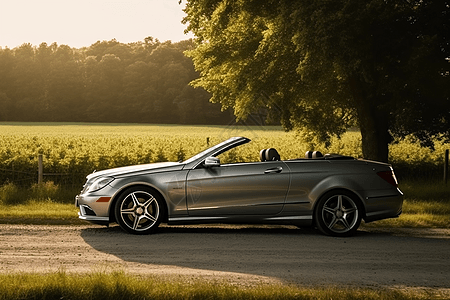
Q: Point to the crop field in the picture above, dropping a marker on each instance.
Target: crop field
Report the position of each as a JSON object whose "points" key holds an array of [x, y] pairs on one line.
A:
{"points": [[74, 150]]}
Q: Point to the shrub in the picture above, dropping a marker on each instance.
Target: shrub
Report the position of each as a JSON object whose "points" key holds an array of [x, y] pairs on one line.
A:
{"points": [[44, 191], [12, 194]]}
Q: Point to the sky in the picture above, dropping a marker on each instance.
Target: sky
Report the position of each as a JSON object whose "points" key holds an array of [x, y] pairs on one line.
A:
{"points": [[80, 23]]}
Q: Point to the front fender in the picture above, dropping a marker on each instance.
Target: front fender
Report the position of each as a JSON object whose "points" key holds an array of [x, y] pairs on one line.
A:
{"points": [[170, 185]]}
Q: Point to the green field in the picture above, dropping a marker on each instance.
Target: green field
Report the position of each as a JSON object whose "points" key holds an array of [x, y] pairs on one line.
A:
{"points": [[76, 149]]}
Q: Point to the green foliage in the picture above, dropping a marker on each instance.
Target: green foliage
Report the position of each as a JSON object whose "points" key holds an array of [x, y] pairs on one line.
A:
{"points": [[180, 154], [118, 285], [160, 156], [143, 82], [44, 191], [9, 194], [12, 194], [325, 66]]}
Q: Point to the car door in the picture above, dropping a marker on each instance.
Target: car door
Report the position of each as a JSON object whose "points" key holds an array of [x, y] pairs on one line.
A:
{"points": [[258, 188]]}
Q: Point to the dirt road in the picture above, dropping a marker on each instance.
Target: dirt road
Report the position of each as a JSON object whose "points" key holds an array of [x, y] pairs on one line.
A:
{"points": [[240, 254]]}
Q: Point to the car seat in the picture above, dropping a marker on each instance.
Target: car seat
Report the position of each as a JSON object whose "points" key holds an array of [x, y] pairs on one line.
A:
{"points": [[271, 154], [262, 155], [317, 154]]}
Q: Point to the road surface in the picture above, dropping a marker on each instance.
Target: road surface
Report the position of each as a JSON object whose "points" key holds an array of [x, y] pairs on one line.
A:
{"points": [[398, 258]]}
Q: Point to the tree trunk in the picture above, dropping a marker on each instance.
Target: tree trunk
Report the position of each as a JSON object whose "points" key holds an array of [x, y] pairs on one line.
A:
{"points": [[373, 122], [374, 131]]}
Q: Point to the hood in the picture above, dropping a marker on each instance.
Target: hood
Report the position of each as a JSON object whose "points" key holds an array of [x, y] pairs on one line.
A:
{"points": [[132, 169]]}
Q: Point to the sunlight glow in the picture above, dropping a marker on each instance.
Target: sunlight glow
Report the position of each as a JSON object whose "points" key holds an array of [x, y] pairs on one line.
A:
{"points": [[83, 22]]}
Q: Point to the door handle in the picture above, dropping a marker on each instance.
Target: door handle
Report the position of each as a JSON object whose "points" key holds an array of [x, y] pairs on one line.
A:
{"points": [[273, 170]]}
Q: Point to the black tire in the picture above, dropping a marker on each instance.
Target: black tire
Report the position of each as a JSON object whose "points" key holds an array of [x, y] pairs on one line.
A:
{"points": [[139, 210], [338, 213]]}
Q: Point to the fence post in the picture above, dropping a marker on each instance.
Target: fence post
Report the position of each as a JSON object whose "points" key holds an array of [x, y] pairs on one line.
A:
{"points": [[40, 169], [446, 167]]}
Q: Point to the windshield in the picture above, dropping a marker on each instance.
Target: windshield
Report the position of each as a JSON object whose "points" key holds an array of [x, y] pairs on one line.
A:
{"points": [[219, 148], [197, 156]]}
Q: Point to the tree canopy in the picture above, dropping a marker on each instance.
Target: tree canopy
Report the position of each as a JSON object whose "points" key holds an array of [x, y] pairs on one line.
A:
{"points": [[327, 65], [142, 82]]}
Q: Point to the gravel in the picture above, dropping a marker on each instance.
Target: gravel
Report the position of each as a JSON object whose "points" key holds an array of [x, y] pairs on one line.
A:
{"points": [[244, 255]]}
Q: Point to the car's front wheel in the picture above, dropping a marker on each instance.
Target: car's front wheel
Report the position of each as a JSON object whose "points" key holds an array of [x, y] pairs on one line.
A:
{"points": [[338, 213], [139, 210]]}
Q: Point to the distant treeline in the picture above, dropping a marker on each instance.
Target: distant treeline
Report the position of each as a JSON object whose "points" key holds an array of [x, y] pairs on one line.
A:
{"points": [[142, 82]]}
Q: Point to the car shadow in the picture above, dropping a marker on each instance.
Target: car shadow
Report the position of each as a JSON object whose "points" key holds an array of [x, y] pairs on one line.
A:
{"points": [[287, 253]]}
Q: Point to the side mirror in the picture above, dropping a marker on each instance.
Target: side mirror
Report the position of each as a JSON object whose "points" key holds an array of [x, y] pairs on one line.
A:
{"points": [[212, 162]]}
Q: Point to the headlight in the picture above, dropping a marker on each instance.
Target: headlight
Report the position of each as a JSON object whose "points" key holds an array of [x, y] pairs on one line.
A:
{"points": [[99, 183]]}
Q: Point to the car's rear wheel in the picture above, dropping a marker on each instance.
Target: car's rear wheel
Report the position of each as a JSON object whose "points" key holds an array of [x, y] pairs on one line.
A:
{"points": [[139, 210], [338, 213]]}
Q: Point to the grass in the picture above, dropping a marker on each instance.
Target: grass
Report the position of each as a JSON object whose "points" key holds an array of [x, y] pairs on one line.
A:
{"points": [[118, 285], [426, 205], [40, 204], [40, 212]]}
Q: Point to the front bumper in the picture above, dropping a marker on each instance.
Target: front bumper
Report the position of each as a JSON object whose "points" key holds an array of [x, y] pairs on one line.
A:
{"points": [[93, 209]]}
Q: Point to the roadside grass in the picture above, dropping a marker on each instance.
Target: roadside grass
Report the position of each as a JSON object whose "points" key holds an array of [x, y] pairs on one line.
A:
{"points": [[426, 205], [119, 285], [40, 204], [40, 212]]}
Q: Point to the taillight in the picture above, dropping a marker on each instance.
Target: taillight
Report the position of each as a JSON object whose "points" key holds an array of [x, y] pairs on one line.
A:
{"points": [[389, 176]]}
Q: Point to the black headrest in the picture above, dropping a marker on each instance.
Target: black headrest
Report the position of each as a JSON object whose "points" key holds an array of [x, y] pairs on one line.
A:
{"points": [[272, 154], [313, 154], [317, 154], [262, 155]]}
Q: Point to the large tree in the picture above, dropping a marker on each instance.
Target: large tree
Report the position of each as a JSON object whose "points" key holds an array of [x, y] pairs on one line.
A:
{"points": [[323, 66]]}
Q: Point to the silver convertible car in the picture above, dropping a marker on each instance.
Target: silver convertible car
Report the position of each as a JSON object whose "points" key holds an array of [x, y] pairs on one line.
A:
{"points": [[331, 192]]}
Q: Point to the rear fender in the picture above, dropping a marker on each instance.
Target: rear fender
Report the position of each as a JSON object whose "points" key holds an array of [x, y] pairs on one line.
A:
{"points": [[336, 183]]}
